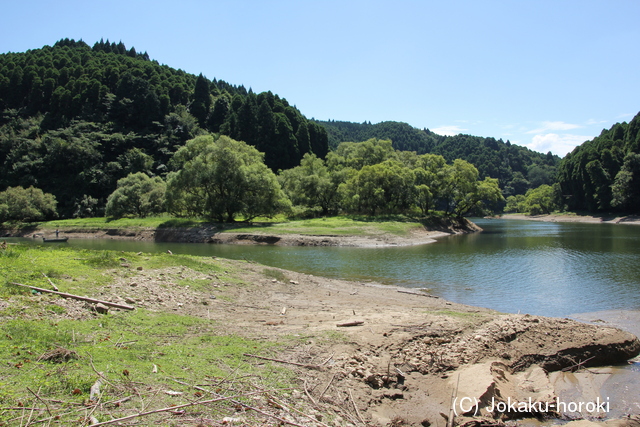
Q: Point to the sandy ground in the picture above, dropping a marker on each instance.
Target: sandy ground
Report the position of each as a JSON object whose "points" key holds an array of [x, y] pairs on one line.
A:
{"points": [[604, 219], [405, 354]]}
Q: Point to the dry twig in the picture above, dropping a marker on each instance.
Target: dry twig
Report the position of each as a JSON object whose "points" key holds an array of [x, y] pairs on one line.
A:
{"points": [[356, 408], [284, 361]]}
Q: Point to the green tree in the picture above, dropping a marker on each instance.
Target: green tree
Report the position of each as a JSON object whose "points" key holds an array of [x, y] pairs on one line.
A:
{"points": [[382, 187], [515, 203], [429, 170], [26, 204], [137, 195], [201, 100], [221, 179], [463, 193], [540, 200], [626, 187], [311, 184]]}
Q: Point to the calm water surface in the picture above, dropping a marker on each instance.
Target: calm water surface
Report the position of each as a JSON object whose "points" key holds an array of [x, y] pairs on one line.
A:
{"points": [[552, 269]]}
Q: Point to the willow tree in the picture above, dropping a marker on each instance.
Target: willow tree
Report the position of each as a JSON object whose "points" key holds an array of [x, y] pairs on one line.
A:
{"points": [[221, 179]]}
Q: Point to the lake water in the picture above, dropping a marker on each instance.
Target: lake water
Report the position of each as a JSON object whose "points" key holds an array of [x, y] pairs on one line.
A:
{"points": [[551, 269]]}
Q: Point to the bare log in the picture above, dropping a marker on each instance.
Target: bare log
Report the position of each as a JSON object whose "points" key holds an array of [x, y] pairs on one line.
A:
{"points": [[65, 295], [354, 323]]}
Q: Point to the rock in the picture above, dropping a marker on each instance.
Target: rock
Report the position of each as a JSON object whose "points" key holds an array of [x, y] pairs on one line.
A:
{"points": [[482, 385], [139, 268], [101, 308], [129, 300]]}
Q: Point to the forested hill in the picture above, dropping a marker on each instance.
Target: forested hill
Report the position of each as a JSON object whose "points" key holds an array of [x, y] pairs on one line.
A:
{"points": [[74, 119], [604, 174], [517, 168]]}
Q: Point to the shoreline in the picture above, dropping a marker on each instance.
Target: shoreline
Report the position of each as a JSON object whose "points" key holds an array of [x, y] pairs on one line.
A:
{"points": [[587, 219], [212, 235]]}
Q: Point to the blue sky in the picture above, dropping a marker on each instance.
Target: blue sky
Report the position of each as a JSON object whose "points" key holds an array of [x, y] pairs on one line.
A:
{"points": [[545, 74]]}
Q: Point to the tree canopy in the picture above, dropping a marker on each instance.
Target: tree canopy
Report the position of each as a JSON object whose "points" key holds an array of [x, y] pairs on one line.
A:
{"points": [[221, 179], [603, 174]]}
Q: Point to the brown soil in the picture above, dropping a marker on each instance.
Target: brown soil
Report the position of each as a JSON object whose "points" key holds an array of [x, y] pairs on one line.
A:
{"points": [[603, 219], [402, 363]]}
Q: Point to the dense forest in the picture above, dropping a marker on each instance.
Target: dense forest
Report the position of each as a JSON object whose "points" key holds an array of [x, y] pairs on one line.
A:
{"points": [[604, 174], [75, 119], [517, 168]]}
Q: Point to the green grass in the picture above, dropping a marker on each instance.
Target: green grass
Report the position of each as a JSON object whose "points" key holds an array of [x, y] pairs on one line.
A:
{"points": [[460, 314], [121, 223], [126, 346], [273, 273], [352, 225], [342, 225]]}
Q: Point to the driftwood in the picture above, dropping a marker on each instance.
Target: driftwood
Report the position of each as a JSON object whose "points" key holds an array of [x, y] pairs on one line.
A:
{"points": [[65, 295], [402, 291], [354, 323]]}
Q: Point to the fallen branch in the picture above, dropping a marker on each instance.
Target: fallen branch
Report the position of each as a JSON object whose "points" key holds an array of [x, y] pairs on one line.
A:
{"points": [[40, 399], [402, 291], [329, 358], [173, 408], [356, 408], [55, 288], [354, 323], [65, 295], [327, 387], [577, 365], [283, 404], [283, 361], [237, 402], [306, 391]]}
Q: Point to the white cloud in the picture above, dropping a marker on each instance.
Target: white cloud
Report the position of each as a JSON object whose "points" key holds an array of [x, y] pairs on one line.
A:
{"points": [[551, 126], [448, 130], [557, 144], [592, 122]]}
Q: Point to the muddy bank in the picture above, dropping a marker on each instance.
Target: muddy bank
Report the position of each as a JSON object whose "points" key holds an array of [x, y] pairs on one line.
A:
{"points": [[591, 219], [217, 235]]}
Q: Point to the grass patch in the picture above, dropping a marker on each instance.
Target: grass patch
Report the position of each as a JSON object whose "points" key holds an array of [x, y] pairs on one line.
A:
{"points": [[354, 225], [141, 353], [273, 273], [459, 314]]}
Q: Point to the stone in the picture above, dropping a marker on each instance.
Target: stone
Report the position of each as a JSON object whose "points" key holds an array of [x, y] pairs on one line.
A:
{"points": [[101, 308]]}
